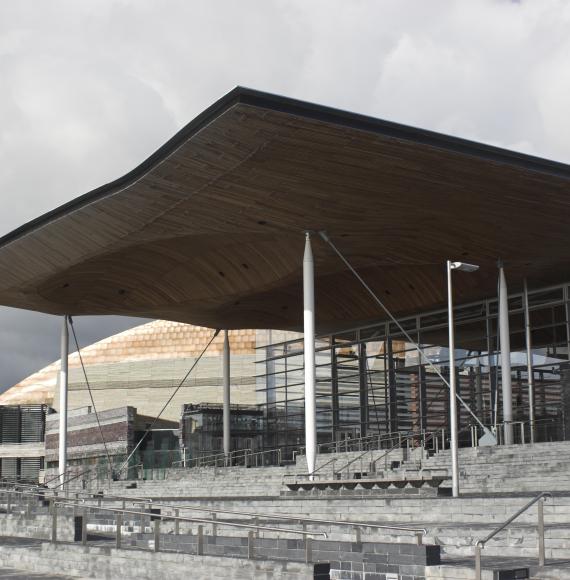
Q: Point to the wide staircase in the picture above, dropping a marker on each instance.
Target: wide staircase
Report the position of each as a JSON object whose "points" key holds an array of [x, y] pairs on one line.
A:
{"points": [[249, 523]]}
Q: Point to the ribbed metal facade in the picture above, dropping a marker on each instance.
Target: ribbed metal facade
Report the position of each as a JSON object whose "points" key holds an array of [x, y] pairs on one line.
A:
{"points": [[21, 425]]}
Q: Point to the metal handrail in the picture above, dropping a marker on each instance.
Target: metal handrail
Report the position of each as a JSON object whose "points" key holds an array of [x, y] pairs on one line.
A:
{"points": [[497, 429], [401, 439], [212, 460], [194, 520], [346, 443], [422, 531], [214, 457], [256, 454], [483, 541], [227, 461], [426, 435], [480, 544], [119, 514], [136, 499]]}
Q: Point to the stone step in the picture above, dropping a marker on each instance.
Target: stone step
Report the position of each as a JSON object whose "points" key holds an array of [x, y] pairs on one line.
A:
{"points": [[464, 569], [105, 562]]}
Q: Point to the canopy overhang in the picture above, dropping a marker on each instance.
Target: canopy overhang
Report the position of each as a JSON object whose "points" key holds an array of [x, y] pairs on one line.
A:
{"points": [[209, 229]]}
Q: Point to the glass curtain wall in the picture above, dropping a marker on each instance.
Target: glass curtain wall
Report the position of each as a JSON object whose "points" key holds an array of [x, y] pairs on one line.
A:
{"points": [[371, 381]]}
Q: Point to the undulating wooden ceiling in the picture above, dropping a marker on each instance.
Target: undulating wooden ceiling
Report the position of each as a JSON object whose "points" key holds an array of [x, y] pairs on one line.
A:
{"points": [[209, 229]]}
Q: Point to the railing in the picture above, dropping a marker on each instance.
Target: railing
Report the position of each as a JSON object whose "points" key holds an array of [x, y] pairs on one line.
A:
{"points": [[521, 431], [480, 544], [402, 441], [238, 458], [418, 532], [213, 460], [355, 444], [55, 503]]}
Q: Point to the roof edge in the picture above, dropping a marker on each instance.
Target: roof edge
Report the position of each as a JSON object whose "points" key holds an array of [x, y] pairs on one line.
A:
{"points": [[304, 109]]}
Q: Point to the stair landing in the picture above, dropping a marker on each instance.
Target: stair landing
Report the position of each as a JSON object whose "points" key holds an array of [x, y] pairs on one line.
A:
{"points": [[520, 568]]}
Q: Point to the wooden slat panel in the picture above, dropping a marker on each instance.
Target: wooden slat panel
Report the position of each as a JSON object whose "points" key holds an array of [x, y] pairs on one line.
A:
{"points": [[212, 234]]}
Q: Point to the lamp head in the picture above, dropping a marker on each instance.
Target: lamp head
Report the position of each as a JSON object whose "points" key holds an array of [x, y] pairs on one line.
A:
{"points": [[463, 267]]}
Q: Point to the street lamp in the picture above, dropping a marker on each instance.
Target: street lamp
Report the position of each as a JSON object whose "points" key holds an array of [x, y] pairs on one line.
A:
{"points": [[462, 267]]}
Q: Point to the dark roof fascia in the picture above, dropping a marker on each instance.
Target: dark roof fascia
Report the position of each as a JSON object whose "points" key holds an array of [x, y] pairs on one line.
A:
{"points": [[302, 109], [403, 132]]}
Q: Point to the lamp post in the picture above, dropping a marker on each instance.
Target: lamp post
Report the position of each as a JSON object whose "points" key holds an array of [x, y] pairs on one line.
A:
{"points": [[462, 267]]}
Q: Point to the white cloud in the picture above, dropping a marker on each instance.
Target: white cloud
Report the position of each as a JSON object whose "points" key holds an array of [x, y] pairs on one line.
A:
{"points": [[90, 88]]}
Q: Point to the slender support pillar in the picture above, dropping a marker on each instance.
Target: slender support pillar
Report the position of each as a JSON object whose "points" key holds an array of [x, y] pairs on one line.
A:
{"points": [[392, 387], [309, 346], [452, 389], [363, 380], [505, 338], [529, 371], [479, 387], [423, 397], [226, 415], [63, 385], [334, 392]]}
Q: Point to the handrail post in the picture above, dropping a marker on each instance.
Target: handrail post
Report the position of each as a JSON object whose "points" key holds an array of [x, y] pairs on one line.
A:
{"points": [[477, 562], [200, 541], [176, 522], [357, 536], [256, 523], [214, 525], [541, 550], [419, 538], [54, 523], [250, 545], [308, 549], [119, 524], [84, 527], [157, 535]]}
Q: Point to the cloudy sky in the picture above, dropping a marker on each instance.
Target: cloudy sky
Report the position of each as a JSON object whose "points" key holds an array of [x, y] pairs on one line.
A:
{"points": [[90, 88]]}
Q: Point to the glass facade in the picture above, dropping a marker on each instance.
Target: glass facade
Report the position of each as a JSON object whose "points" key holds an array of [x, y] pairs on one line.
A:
{"points": [[372, 380], [201, 428]]}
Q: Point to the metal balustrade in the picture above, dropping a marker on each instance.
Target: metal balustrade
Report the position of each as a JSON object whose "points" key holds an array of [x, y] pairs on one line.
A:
{"points": [[480, 544], [77, 502], [409, 442], [56, 502], [238, 458], [60, 502]]}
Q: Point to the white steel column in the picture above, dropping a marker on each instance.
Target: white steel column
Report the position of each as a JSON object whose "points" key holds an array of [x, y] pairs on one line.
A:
{"points": [[452, 388], [226, 378], [529, 370], [309, 346], [505, 338], [63, 384]]}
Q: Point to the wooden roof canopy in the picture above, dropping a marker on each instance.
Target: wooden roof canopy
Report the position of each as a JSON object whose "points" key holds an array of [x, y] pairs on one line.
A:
{"points": [[209, 229]]}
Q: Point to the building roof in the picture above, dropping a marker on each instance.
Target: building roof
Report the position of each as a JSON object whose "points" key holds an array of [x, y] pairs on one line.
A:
{"points": [[121, 354], [209, 229]]}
